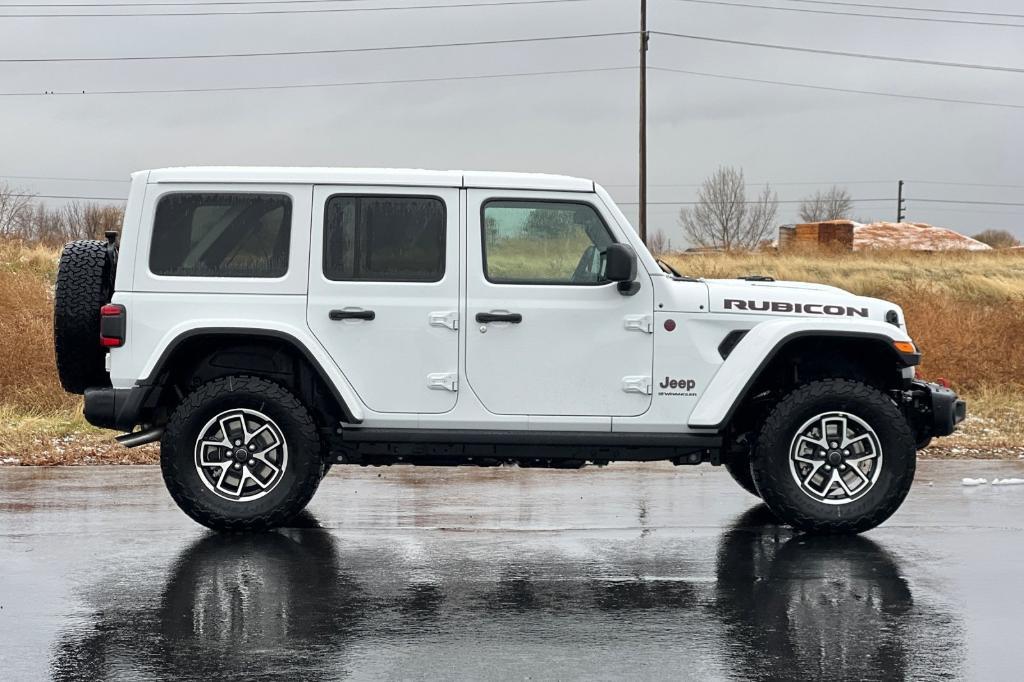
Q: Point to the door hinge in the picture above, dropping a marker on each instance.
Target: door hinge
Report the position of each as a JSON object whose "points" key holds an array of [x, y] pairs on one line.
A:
{"points": [[445, 318], [639, 323], [637, 385], [443, 382]]}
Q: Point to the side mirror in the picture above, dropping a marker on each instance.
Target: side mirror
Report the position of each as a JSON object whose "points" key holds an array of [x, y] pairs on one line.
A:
{"points": [[620, 266]]}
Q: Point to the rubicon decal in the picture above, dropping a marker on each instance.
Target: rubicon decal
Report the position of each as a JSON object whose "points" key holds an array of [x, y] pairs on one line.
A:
{"points": [[670, 386], [787, 307]]}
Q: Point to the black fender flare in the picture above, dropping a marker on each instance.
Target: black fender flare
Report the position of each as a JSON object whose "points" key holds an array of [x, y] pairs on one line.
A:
{"points": [[150, 381]]}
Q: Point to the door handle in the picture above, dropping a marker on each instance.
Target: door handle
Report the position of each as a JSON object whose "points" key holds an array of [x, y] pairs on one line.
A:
{"points": [[514, 318], [352, 315]]}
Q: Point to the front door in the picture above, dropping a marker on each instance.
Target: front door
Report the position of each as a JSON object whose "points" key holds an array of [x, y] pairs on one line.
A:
{"points": [[384, 292], [545, 334]]}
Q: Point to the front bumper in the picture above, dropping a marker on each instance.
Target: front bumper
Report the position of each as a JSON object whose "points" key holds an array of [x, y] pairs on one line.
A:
{"points": [[937, 409]]}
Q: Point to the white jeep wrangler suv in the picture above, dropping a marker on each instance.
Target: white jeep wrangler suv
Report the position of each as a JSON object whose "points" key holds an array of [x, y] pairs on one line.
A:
{"points": [[265, 323]]}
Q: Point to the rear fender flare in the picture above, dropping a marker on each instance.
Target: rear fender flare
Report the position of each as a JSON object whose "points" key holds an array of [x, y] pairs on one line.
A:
{"points": [[301, 340]]}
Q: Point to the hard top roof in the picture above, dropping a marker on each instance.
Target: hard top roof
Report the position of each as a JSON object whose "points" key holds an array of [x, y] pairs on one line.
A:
{"points": [[369, 176]]}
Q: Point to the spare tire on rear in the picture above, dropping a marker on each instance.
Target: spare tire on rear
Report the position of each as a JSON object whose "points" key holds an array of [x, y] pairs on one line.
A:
{"points": [[85, 282]]}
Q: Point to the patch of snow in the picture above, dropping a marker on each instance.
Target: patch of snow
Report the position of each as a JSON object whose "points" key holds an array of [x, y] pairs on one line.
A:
{"points": [[1008, 481], [912, 236], [974, 481]]}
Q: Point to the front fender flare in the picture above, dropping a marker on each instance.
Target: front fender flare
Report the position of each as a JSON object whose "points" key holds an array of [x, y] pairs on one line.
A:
{"points": [[761, 344]]}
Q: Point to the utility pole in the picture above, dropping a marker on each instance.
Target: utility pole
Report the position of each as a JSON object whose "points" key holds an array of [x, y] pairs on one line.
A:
{"points": [[644, 37], [901, 208]]}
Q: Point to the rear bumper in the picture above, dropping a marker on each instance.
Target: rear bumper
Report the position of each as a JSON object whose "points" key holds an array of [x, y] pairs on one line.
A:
{"points": [[114, 408], [942, 408]]}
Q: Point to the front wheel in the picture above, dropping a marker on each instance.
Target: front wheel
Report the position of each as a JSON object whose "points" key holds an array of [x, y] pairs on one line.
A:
{"points": [[834, 456], [241, 453]]}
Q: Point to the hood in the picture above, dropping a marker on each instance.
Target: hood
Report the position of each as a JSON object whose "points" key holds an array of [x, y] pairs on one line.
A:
{"points": [[797, 299]]}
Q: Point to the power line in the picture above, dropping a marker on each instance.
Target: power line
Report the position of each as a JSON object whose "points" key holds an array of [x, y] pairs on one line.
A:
{"points": [[694, 203], [841, 53], [197, 3], [293, 53], [958, 201], [964, 184], [773, 184], [926, 98], [800, 201], [67, 196], [894, 7], [45, 177], [804, 10], [317, 10], [245, 88]]}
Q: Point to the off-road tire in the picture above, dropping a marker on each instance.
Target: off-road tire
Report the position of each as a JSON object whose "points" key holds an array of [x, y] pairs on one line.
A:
{"points": [[85, 282], [782, 493], [739, 469], [297, 484]]}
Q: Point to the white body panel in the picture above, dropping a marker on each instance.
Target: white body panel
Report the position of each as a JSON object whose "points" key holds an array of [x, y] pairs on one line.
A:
{"points": [[742, 364], [388, 359], [563, 368], [571, 352], [293, 281], [156, 320]]}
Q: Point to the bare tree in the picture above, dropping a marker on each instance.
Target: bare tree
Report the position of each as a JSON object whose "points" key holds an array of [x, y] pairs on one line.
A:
{"points": [[14, 207], [724, 219], [658, 243], [835, 204], [997, 239]]}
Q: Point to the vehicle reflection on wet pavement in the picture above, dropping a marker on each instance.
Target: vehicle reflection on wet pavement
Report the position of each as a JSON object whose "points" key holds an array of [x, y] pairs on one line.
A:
{"points": [[620, 573]]}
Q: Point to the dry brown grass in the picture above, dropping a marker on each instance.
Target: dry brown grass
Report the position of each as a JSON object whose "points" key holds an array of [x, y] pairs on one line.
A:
{"points": [[966, 310], [28, 378]]}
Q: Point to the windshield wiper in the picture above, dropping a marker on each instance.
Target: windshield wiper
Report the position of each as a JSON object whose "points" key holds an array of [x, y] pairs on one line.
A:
{"points": [[667, 268], [676, 275]]}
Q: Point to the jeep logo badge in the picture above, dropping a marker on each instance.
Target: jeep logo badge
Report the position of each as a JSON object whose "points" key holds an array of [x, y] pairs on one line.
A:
{"points": [[670, 386]]}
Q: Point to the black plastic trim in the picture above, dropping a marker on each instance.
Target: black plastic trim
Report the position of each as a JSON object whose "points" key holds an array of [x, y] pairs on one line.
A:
{"points": [[267, 333], [730, 341], [507, 437], [114, 408], [947, 409], [905, 359]]}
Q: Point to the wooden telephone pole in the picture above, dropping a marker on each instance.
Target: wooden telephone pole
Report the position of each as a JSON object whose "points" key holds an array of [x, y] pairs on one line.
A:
{"points": [[644, 37]]}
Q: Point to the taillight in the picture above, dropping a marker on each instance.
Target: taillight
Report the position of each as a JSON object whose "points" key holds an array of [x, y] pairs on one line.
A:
{"points": [[113, 322]]}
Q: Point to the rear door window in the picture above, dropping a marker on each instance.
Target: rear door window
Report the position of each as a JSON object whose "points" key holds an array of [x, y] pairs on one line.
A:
{"points": [[384, 238], [200, 234]]}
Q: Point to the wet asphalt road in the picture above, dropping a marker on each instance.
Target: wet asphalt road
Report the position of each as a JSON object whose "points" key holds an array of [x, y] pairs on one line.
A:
{"points": [[627, 572]]}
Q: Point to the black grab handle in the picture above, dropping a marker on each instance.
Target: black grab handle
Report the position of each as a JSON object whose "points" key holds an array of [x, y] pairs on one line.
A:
{"points": [[352, 315], [514, 318]]}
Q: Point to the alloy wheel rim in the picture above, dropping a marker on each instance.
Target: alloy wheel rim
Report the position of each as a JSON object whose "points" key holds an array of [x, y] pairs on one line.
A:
{"points": [[835, 458], [241, 455]]}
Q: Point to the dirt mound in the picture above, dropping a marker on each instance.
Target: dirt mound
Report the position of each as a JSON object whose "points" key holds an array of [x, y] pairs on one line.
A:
{"points": [[912, 237]]}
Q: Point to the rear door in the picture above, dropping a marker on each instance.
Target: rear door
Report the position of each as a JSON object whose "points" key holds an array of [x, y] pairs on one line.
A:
{"points": [[384, 292]]}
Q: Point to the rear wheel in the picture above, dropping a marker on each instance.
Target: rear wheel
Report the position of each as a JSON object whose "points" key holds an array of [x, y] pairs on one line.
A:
{"points": [[834, 456], [241, 453]]}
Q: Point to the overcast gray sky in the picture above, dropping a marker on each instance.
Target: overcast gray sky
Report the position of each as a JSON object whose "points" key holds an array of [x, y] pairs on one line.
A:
{"points": [[581, 124]]}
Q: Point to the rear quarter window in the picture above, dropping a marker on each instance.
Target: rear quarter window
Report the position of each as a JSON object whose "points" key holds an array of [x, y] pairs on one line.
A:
{"points": [[221, 234]]}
